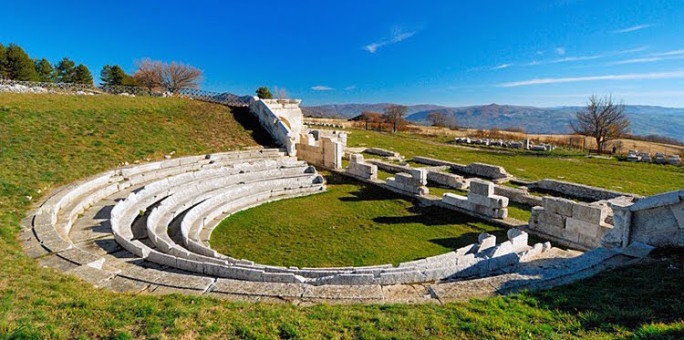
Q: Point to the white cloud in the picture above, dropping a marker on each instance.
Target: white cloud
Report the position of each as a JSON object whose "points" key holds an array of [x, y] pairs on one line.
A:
{"points": [[668, 53], [321, 88], [351, 87], [651, 59], [632, 50], [632, 29], [398, 35], [501, 67], [560, 50], [636, 61], [578, 58], [627, 76]]}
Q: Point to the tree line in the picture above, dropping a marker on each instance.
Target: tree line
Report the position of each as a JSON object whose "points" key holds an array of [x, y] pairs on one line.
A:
{"points": [[156, 76], [15, 64]]}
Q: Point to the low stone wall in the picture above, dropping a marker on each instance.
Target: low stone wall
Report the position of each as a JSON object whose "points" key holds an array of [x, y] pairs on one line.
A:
{"points": [[324, 151], [492, 172], [389, 167], [412, 181], [359, 168], [518, 195], [481, 200], [579, 224], [448, 180], [382, 152], [655, 220], [577, 190], [281, 118]]}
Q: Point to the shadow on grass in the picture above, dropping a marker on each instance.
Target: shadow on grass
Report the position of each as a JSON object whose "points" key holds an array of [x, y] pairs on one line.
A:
{"points": [[628, 298]]}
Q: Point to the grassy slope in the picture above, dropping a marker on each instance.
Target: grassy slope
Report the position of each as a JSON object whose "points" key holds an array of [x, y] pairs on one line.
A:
{"points": [[644, 179], [49, 140], [350, 224]]}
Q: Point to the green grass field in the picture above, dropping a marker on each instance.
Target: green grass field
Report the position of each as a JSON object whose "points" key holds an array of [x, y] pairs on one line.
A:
{"points": [[349, 224], [47, 141], [642, 179]]}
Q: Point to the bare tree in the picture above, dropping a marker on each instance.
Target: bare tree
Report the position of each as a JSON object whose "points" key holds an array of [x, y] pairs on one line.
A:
{"points": [[159, 76], [395, 114], [178, 76], [603, 120], [279, 93], [150, 74], [436, 118], [371, 117]]}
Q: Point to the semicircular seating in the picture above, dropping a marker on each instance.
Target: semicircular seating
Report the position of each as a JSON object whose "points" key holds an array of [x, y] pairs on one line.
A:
{"points": [[149, 225]]}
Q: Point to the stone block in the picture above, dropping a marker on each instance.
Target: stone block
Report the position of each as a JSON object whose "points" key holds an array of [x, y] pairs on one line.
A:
{"points": [[517, 237], [560, 206], [491, 201], [482, 188], [581, 227], [486, 241], [589, 213], [551, 219]]}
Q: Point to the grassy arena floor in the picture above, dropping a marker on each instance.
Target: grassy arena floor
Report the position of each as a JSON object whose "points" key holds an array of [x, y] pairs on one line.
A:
{"points": [[46, 141], [349, 224]]}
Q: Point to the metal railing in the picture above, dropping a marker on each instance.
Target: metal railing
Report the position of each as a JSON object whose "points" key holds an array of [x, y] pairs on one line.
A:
{"points": [[196, 94]]}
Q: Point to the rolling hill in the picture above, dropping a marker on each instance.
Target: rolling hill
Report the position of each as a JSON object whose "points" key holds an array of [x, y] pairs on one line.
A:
{"points": [[646, 120]]}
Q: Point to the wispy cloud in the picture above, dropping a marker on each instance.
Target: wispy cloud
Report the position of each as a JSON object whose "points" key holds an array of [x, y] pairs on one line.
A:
{"points": [[560, 50], [636, 61], [668, 53], [632, 29], [632, 50], [501, 67], [627, 76], [351, 87], [321, 88], [398, 35], [574, 58]]}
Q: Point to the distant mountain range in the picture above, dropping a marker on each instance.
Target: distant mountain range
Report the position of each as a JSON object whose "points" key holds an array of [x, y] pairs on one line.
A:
{"points": [[646, 120]]}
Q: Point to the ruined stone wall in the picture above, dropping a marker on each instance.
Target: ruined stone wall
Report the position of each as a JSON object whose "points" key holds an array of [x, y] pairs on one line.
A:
{"points": [[493, 172], [518, 195], [656, 220], [359, 168], [480, 200], [412, 181], [321, 149], [578, 224], [577, 190], [283, 119]]}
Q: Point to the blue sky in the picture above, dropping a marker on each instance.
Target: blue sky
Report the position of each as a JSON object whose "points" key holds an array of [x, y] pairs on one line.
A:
{"points": [[543, 53]]}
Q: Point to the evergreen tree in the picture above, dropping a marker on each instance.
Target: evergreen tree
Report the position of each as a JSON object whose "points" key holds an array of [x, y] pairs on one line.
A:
{"points": [[19, 65], [82, 75], [3, 62], [264, 93], [115, 75], [66, 70], [45, 71]]}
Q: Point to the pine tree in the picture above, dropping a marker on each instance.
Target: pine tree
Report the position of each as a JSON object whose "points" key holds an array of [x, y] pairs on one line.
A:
{"points": [[114, 75], [82, 75], [45, 71], [19, 65], [264, 93], [3, 62], [65, 70]]}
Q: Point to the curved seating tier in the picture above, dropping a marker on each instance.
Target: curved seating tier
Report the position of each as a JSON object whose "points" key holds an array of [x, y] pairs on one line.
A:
{"points": [[148, 226]]}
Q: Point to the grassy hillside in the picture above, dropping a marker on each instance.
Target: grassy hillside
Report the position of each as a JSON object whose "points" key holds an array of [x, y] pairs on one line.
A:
{"points": [[46, 141], [638, 178]]}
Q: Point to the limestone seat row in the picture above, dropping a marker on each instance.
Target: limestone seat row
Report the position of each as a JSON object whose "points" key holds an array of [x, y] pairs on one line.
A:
{"points": [[52, 221]]}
